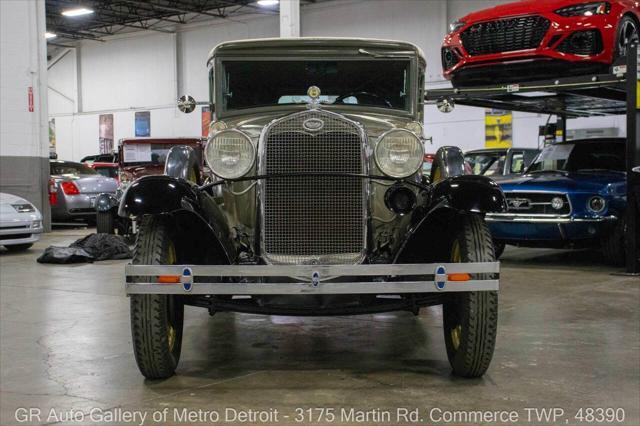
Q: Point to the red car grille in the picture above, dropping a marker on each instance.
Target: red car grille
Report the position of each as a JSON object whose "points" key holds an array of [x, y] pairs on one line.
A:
{"points": [[505, 35]]}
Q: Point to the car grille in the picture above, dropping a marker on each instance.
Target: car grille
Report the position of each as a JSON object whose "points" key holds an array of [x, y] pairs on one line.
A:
{"points": [[528, 203], [505, 35], [14, 236], [313, 219]]}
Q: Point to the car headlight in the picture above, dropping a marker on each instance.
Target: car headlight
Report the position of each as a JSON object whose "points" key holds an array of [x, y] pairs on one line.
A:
{"points": [[585, 9], [596, 204], [399, 153], [230, 154], [23, 208], [455, 26], [557, 203]]}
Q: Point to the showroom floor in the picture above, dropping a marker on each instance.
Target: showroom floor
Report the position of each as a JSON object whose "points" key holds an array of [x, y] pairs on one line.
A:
{"points": [[568, 338]]}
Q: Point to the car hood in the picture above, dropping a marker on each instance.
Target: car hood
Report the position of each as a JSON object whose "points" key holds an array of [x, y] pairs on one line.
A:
{"points": [[525, 7], [8, 214], [572, 182], [8, 199]]}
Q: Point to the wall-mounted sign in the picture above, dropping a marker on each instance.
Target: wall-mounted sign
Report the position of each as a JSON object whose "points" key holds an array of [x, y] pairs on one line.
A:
{"points": [[143, 123], [30, 98], [498, 128], [105, 134], [206, 120]]}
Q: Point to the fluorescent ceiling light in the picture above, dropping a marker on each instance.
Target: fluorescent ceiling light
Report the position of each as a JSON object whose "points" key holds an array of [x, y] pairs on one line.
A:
{"points": [[267, 2], [49, 35], [77, 12]]}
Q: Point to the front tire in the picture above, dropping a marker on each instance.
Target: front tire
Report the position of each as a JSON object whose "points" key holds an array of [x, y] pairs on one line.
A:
{"points": [[626, 36], [156, 320], [105, 223], [471, 319]]}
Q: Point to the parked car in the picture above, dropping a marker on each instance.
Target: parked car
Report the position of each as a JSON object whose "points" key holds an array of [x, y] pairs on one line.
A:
{"points": [[73, 189], [533, 39], [499, 163], [572, 195], [20, 223], [322, 208], [106, 169], [139, 157]]}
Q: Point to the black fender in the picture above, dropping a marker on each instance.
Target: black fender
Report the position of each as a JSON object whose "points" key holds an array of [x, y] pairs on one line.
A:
{"points": [[183, 162], [471, 193], [434, 227], [106, 202], [197, 218]]}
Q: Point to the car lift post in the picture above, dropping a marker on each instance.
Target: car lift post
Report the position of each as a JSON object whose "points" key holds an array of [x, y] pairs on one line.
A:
{"points": [[632, 238]]}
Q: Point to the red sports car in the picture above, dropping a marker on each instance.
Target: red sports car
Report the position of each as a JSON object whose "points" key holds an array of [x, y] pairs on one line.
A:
{"points": [[537, 39]]}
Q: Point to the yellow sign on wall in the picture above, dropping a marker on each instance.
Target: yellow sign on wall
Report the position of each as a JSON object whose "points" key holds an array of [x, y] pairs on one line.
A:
{"points": [[498, 128]]}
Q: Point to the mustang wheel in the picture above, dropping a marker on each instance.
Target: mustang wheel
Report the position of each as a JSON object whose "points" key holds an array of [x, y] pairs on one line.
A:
{"points": [[156, 320], [104, 223], [471, 319]]}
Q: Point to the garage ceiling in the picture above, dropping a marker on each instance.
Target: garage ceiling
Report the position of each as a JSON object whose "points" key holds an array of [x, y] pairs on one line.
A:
{"points": [[112, 17]]}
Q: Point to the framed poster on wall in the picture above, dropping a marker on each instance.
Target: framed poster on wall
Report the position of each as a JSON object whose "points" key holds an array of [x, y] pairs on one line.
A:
{"points": [[143, 123], [52, 136], [105, 135], [498, 128], [206, 120]]}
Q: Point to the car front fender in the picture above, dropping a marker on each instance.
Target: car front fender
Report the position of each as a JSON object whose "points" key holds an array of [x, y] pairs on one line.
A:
{"points": [[196, 215], [477, 194]]}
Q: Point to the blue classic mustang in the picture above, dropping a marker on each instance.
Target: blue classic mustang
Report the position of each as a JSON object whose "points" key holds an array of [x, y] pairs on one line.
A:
{"points": [[572, 195]]}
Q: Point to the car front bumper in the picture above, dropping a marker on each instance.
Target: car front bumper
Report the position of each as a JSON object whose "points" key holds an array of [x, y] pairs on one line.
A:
{"points": [[513, 227], [311, 279], [20, 232]]}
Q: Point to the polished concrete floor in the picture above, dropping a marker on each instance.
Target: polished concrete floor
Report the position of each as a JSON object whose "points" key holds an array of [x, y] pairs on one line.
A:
{"points": [[569, 337]]}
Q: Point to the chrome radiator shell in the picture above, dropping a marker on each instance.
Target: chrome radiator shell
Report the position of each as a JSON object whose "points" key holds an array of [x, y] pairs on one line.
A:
{"points": [[312, 219]]}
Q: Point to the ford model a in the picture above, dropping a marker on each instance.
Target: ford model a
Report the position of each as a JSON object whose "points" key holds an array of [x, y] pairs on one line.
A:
{"points": [[318, 205]]}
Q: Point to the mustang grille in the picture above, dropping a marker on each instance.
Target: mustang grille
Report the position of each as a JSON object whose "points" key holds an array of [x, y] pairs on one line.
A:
{"points": [[505, 35], [313, 219], [528, 203]]}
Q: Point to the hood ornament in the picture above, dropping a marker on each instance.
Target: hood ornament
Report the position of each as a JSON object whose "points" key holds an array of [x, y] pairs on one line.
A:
{"points": [[314, 96]]}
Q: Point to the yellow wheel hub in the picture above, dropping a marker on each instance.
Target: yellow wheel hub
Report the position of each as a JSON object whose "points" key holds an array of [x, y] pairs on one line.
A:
{"points": [[171, 331], [456, 332]]}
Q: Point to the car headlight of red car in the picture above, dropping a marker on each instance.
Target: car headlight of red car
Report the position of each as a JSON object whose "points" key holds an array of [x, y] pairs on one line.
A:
{"points": [[455, 26], [585, 9]]}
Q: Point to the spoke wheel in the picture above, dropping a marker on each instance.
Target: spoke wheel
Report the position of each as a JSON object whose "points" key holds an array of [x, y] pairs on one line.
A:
{"points": [[627, 35]]}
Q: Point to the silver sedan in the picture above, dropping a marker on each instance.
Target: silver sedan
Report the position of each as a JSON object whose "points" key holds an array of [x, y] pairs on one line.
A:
{"points": [[73, 189]]}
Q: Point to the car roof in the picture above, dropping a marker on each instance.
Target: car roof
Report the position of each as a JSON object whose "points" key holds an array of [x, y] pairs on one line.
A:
{"points": [[595, 140], [263, 45]]}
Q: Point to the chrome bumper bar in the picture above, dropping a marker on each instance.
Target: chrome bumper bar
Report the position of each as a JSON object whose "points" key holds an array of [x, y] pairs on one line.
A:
{"points": [[506, 217], [279, 279]]}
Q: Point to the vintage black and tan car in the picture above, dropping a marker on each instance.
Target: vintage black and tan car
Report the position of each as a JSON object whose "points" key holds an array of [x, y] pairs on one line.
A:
{"points": [[318, 205]]}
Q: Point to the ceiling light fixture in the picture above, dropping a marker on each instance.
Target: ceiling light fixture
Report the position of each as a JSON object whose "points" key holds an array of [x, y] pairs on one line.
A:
{"points": [[77, 12], [267, 2], [49, 35]]}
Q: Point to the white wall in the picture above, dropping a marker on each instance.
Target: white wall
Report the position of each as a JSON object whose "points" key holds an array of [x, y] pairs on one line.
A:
{"points": [[147, 71]]}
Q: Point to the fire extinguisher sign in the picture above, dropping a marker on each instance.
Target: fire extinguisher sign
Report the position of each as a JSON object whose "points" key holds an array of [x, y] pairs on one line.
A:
{"points": [[30, 98]]}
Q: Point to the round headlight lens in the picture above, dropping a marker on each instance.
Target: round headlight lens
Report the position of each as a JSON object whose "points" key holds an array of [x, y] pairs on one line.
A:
{"points": [[597, 204], [230, 154], [557, 203], [399, 153]]}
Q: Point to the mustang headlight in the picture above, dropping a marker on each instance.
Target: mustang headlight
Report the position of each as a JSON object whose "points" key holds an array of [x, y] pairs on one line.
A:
{"points": [[399, 153], [230, 154], [596, 204], [23, 208], [585, 9]]}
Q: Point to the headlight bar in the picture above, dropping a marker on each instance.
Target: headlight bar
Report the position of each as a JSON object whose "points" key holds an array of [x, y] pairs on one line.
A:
{"points": [[585, 9]]}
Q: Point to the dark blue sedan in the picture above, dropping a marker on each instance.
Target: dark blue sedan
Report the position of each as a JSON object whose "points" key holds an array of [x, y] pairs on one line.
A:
{"points": [[572, 195]]}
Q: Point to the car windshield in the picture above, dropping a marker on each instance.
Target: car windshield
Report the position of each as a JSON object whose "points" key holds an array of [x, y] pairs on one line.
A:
{"points": [[149, 153], [111, 172], [261, 83], [67, 168], [486, 163], [580, 157]]}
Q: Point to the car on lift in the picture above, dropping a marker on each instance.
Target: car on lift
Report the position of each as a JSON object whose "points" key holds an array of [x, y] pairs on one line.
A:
{"points": [[73, 190], [137, 157], [318, 206], [572, 196], [533, 40], [500, 163]]}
